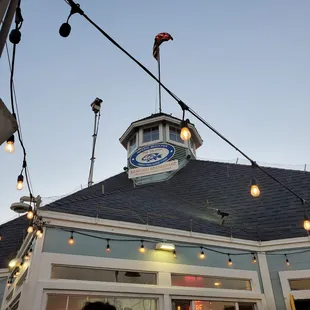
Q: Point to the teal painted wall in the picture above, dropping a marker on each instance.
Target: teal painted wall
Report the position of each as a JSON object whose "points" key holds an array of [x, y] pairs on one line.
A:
{"points": [[56, 241], [276, 263], [2, 288]]}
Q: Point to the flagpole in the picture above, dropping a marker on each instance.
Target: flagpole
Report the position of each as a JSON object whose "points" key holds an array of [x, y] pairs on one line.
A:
{"points": [[159, 86]]}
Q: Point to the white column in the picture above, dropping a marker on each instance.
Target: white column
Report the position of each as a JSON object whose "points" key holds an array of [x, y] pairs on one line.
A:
{"points": [[268, 291]]}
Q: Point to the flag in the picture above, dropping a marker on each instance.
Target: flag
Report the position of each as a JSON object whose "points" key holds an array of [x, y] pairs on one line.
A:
{"points": [[159, 39]]}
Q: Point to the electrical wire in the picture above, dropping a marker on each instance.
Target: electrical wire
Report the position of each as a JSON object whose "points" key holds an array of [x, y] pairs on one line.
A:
{"points": [[75, 8]]}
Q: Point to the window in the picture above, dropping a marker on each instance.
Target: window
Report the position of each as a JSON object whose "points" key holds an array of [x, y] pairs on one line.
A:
{"points": [[211, 305], [150, 134], [174, 134], [102, 275], [132, 144], [299, 284], [210, 282], [76, 302]]}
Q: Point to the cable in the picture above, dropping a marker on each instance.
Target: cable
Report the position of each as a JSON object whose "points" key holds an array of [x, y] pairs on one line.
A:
{"points": [[75, 8]]}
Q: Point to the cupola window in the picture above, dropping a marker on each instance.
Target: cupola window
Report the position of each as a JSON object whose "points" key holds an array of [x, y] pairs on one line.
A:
{"points": [[132, 144], [151, 134], [174, 134]]}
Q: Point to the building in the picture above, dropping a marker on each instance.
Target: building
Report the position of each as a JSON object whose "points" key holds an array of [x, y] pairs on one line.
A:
{"points": [[170, 232]]}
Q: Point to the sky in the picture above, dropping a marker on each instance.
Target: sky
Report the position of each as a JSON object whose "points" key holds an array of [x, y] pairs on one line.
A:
{"points": [[242, 65]]}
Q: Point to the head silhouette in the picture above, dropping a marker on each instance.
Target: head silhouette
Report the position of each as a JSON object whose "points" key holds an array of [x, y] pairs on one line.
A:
{"points": [[98, 306]]}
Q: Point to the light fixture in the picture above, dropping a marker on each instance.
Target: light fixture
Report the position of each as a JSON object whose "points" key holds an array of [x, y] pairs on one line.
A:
{"points": [[142, 248], [108, 248], [30, 252], [254, 259], [20, 182], [229, 261], [10, 283], [27, 257], [39, 232], [217, 283], [30, 213], [10, 146], [202, 254], [165, 246], [255, 191], [185, 133], [30, 229], [71, 239], [286, 260], [306, 222], [15, 262], [174, 254]]}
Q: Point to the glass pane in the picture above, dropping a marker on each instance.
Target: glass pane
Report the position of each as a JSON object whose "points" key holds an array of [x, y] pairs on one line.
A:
{"points": [[299, 284], [102, 275], [56, 302], [174, 134], [132, 143], [151, 134], [77, 302], [181, 305], [246, 306], [211, 282], [213, 305]]}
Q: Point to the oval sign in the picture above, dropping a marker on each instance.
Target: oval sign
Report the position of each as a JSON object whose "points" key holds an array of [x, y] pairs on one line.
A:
{"points": [[152, 155]]}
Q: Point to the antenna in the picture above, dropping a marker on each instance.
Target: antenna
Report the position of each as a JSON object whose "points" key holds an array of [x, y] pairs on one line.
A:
{"points": [[96, 109]]}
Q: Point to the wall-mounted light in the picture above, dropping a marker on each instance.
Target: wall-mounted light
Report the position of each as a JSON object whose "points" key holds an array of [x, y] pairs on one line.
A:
{"points": [[165, 246]]}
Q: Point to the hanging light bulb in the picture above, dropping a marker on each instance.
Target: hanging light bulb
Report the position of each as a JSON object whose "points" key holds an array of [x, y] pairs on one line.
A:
{"points": [[30, 213], [39, 233], [142, 248], [229, 261], [254, 259], [20, 182], [30, 252], [30, 229], [108, 248], [255, 191], [71, 239], [10, 283], [27, 257], [202, 254], [10, 146], [185, 133], [287, 261], [306, 223]]}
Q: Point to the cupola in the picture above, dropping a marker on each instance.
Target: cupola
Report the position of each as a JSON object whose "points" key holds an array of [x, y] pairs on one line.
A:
{"points": [[155, 150]]}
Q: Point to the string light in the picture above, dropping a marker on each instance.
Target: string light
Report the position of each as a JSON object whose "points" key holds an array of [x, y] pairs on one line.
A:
{"points": [[202, 254], [30, 252], [174, 253], [10, 146], [254, 259], [39, 232], [306, 223], [30, 213], [108, 248], [20, 182], [255, 191], [286, 260], [30, 228], [185, 133], [142, 248], [71, 239], [229, 261]]}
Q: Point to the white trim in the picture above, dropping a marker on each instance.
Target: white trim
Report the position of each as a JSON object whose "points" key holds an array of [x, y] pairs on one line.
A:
{"points": [[160, 132], [266, 281], [285, 276], [128, 145], [185, 144]]}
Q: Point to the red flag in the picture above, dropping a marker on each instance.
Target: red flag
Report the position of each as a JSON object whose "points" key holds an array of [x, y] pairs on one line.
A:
{"points": [[159, 39]]}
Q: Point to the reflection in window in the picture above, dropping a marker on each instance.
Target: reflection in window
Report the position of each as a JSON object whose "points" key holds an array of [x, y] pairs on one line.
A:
{"points": [[77, 302], [210, 282], [299, 284], [102, 275], [150, 134], [132, 144], [213, 305], [174, 134], [246, 306]]}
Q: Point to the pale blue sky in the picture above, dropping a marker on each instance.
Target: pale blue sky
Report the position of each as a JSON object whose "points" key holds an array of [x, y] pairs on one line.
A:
{"points": [[243, 65]]}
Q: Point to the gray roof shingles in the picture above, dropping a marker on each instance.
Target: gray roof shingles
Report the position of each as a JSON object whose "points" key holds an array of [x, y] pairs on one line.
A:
{"points": [[180, 203]]}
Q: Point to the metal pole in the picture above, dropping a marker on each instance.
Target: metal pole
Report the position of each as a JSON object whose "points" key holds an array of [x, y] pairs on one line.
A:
{"points": [[159, 86], [7, 21]]}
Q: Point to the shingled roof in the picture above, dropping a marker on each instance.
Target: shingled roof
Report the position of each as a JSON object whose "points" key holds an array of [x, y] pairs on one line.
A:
{"points": [[183, 202]]}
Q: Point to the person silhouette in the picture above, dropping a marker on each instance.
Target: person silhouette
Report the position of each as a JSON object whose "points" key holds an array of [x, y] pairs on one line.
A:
{"points": [[98, 306]]}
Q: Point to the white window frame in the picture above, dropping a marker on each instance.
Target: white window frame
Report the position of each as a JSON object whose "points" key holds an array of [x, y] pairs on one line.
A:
{"points": [[128, 144], [160, 128], [185, 144], [285, 276]]}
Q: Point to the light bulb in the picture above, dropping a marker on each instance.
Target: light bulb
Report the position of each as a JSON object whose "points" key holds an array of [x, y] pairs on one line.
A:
{"points": [[174, 254], [71, 240], [108, 249], [10, 146], [229, 261], [20, 182], [30, 214], [30, 229], [142, 248], [255, 191], [27, 257], [185, 134], [306, 223], [254, 259], [202, 254], [39, 233]]}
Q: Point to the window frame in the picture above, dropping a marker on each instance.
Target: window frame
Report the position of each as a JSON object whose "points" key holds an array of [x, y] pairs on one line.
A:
{"points": [[128, 144], [185, 144], [141, 131]]}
